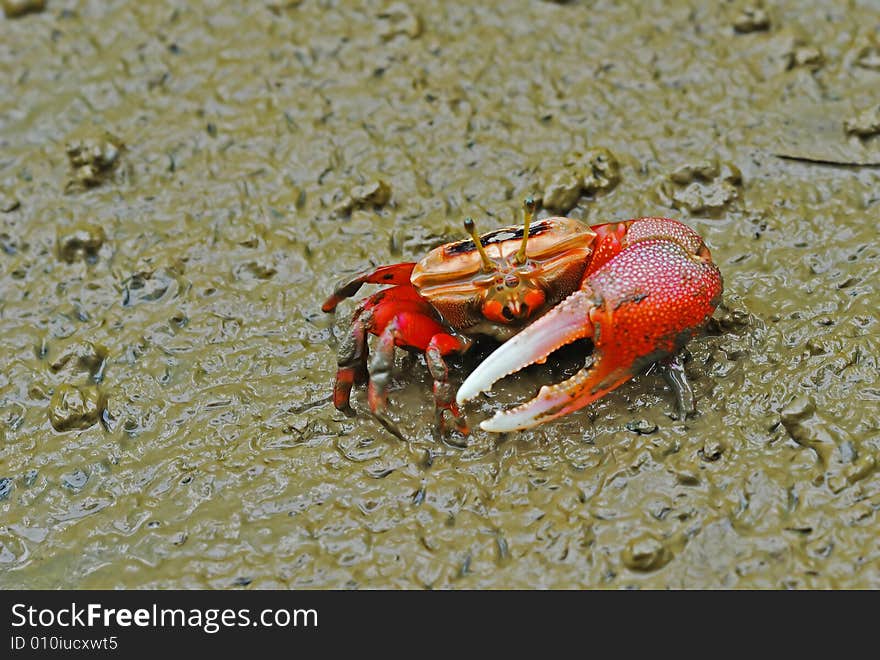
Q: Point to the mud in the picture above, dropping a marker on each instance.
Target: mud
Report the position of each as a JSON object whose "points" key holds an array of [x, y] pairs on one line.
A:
{"points": [[165, 369]]}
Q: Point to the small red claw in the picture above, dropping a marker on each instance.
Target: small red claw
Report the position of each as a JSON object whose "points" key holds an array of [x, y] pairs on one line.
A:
{"points": [[639, 307]]}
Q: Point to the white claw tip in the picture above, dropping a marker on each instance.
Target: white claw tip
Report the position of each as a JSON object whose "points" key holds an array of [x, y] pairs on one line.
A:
{"points": [[465, 394], [486, 425], [498, 424]]}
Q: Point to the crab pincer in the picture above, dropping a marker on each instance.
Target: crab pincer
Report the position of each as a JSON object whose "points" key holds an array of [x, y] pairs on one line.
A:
{"points": [[639, 306]]}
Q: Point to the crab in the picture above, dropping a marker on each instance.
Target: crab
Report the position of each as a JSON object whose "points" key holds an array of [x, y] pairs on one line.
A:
{"points": [[639, 288]]}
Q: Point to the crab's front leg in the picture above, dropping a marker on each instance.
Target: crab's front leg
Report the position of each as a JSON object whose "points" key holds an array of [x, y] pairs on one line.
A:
{"points": [[442, 345], [351, 358], [639, 307], [672, 369], [409, 330], [400, 317]]}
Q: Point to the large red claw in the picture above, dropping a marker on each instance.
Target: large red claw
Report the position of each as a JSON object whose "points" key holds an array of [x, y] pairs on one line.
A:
{"points": [[641, 306]]}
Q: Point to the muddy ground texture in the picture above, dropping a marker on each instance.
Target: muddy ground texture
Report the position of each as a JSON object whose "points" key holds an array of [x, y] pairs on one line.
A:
{"points": [[181, 184]]}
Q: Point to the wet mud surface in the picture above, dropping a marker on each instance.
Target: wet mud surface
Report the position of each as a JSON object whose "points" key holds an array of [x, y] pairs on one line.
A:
{"points": [[181, 185]]}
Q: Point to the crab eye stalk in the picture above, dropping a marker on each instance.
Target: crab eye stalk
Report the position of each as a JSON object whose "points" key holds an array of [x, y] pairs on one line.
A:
{"points": [[471, 229], [529, 208]]}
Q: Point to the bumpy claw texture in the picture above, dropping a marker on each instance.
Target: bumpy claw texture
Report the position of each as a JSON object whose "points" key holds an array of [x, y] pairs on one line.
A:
{"points": [[639, 306]]}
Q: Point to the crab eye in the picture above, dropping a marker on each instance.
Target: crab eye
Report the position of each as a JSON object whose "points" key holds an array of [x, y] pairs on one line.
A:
{"points": [[512, 281]]}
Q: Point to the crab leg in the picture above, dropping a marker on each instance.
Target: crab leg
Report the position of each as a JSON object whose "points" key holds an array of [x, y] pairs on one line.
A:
{"points": [[672, 369], [400, 318], [352, 358], [440, 344], [378, 315], [444, 399], [381, 366], [639, 307], [393, 274]]}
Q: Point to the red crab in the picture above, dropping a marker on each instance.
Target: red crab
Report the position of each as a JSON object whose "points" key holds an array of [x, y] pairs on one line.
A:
{"points": [[640, 288]]}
